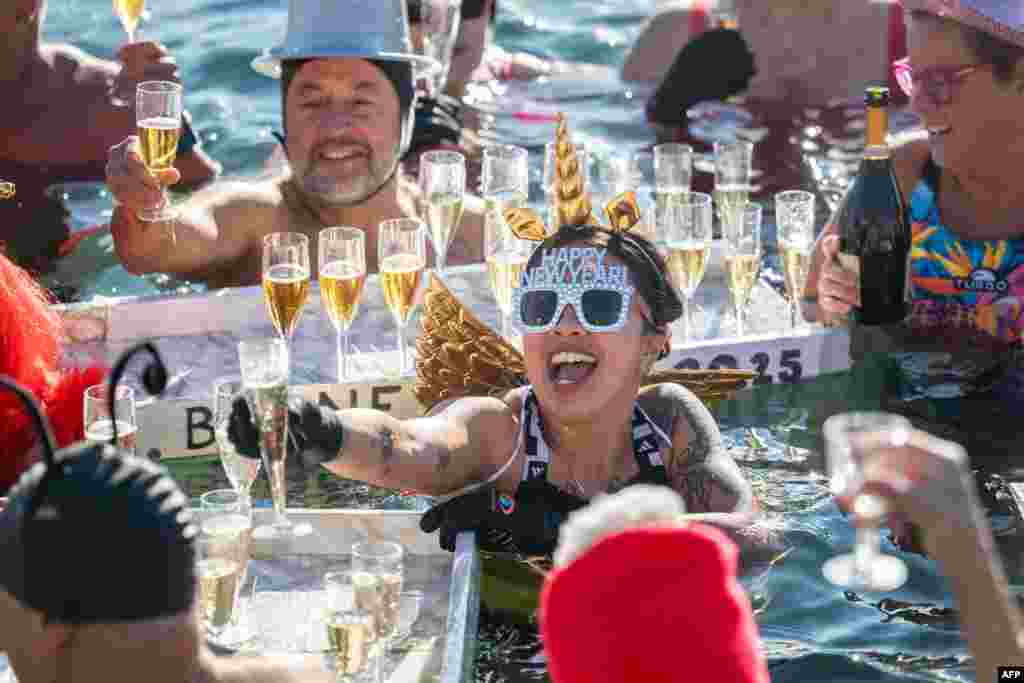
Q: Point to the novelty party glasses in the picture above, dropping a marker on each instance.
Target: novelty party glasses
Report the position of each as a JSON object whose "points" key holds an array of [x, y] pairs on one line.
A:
{"points": [[599, 308]]}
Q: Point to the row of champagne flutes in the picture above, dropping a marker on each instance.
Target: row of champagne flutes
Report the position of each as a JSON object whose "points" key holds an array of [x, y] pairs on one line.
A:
{"points": [[401, 248], [366, 607], [685, 225]]}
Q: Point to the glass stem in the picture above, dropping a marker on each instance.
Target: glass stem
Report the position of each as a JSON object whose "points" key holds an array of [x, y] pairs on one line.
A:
{"points": [[402, 350], [686, 318], [793, 314], [341, 340], [739, 318], [867, 547]]}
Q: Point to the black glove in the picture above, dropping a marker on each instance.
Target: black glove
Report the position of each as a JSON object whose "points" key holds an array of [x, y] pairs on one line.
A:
{"points": [[690, 80], [437, 122], [529, 526], [315, 434]]}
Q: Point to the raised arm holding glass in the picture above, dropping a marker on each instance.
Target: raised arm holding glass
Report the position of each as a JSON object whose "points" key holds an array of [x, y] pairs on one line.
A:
{"points": [[347, 90]]}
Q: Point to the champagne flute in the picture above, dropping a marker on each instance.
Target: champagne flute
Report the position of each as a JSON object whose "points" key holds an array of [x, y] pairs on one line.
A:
{"points": [[158, 108], [342, 258], [673, 176], [99, 423], [240, 470], [285, 279], [227, 528], [129, 12], [687, 231], [443, 184], [223, 556], [851, 443], [794, 222], [733, 162], [439, 29], [506, 260], [402, 255], [264, 365], [377, 578], [350, 629], [742, 241], [505, 177]]}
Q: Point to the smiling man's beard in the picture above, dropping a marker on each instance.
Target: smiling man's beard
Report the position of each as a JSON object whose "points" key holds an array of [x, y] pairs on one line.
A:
{"points": [[340, 192]]}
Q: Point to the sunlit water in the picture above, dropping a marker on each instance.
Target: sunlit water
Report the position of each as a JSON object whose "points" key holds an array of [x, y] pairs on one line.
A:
{"points": [[812, 631]]}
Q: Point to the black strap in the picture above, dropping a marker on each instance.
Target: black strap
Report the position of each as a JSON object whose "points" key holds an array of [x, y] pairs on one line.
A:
{"points": [[931, 174]]}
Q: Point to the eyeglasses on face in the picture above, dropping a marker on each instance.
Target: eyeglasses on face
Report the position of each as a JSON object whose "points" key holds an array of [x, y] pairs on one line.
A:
{"points": [[937, 83]]}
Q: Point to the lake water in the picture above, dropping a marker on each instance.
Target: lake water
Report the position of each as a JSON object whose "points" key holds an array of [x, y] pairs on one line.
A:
{"points": [[812, 631]]}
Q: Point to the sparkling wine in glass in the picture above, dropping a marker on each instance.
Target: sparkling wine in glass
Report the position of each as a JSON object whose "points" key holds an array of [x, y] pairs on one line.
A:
{"points": [[507, 257], [377, 578], [240, 470], [158, 108], [285, 279], [853, 442], [505, 177], [350, 629], [733, 170], [686, 227], [741, 233], [443, 186], [223, 557], [402, 257], [673, 175], [100, 423], [794, 221], [342, 257], [264, 365]]}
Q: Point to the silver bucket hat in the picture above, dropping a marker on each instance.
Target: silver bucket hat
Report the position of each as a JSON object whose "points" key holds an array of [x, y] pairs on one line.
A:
{"points": [[367, 29], [1003, 19]]}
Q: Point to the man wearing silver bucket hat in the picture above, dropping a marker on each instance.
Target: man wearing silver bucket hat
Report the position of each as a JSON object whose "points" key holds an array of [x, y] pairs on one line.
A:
{"points": [[347, 73]]}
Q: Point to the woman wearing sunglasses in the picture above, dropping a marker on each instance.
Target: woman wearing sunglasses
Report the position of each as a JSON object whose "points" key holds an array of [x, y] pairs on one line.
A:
{"points": [[595, 307]]}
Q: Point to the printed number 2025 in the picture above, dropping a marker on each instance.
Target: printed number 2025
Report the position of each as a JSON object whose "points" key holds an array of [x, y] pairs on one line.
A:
{"points": [[789, 360]]}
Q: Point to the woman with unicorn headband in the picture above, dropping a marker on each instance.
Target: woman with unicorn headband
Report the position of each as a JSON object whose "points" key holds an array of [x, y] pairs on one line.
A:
{"points": [[595, 306]]}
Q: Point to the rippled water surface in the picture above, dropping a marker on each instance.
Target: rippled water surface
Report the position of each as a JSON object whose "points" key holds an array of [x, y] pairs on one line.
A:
{"points": [[812, 630]]}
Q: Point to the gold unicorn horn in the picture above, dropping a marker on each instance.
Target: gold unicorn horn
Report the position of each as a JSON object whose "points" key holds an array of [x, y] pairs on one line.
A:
{"points": [[572, 201]]}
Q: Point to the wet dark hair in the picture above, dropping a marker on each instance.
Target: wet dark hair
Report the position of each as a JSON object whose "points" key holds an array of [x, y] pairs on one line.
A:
{"points": [[647, 268], [1002, 55]]}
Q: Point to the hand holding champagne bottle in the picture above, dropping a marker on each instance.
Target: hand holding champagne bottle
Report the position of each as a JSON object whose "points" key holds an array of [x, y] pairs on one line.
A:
{"points": [[874, 230]]}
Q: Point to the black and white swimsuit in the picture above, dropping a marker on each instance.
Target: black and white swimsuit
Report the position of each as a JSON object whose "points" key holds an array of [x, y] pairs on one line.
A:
{"points": [[648, 440]]}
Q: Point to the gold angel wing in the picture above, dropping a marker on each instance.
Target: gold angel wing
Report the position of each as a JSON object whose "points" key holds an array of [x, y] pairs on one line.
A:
{"points": [[710, 386], [525, 224], [457, 355]]}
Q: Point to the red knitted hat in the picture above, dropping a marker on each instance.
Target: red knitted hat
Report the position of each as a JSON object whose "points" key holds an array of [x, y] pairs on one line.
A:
{"points": [[652, 605]]}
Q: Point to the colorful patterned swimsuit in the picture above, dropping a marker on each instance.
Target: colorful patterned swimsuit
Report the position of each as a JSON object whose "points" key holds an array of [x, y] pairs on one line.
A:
{"points": [[963, 283]]}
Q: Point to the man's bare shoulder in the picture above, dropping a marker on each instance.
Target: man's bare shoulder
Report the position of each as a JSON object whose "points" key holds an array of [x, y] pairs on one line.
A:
{"points": [[239, 196]]}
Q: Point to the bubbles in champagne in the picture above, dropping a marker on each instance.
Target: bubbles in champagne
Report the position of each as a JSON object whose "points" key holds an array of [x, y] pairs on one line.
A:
{"points": [[687, 262], [505, 270], [341, 288], [158, 139], [400, 279], [444, 213], [350, 634], [285, 288], [218, 589], [378, 594]]}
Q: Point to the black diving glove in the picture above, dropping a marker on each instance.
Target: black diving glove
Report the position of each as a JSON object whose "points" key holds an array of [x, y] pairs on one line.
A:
{"points": [[690, 81], [526, 524], [437, 122], [315, 433]]}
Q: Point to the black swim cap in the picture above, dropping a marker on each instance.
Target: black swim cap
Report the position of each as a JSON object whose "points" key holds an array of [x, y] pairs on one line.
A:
{"points": [[104, 537]]}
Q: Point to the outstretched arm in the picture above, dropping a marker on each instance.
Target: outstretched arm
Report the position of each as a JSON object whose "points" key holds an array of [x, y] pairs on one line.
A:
{"points": [[434, 455]]}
